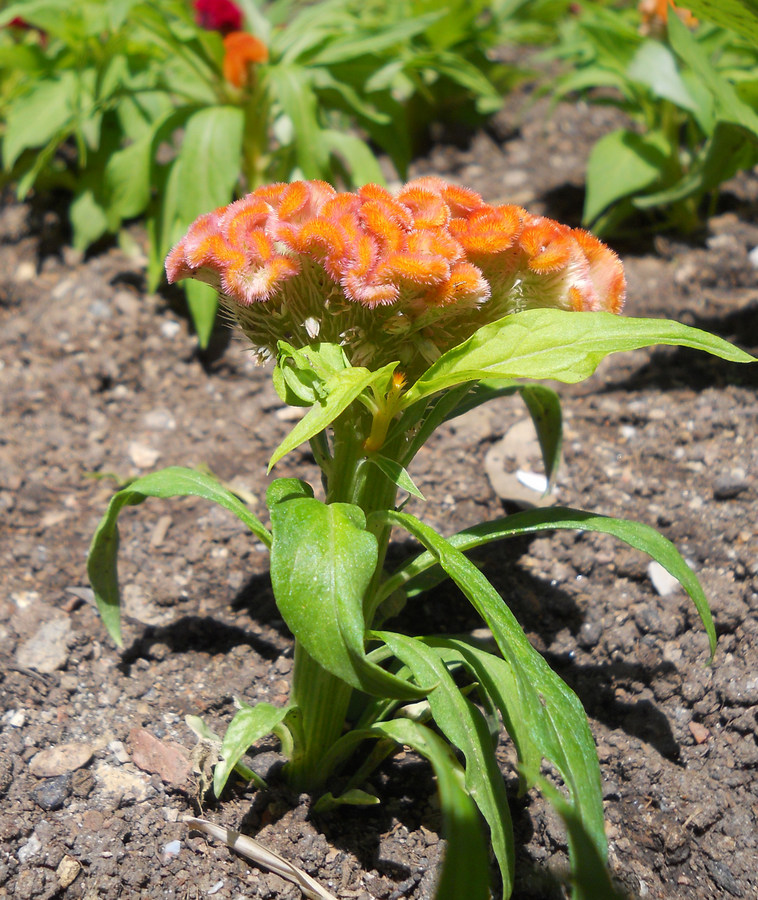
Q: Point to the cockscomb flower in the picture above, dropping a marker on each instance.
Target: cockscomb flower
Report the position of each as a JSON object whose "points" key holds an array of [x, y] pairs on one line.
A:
{"points": [[218, 15], [241, 50], [389, 277], [655, 15]]}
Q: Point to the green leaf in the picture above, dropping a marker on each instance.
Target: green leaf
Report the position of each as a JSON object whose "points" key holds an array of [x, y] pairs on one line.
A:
{"points": [[88, 219], [209, 159], [729, 106], [396, 473], [355, 46], [465, 871], [127, 179], [341, 389], [557, 344], [171, 482], [291, 87], [282, 489], [249, 725], [557, 721], [739, 15], [589, 876], [635, 534], [621, 163], [322, 562], [496, 680], [654, 65], [202, 301], [730, 150], [354, 797], [39, 116], [300, 374], [356, 155], [466, 729]]}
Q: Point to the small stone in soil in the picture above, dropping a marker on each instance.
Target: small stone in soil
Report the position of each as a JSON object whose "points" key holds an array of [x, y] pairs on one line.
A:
{"points": [[60, 759], [52, 793], [47, 650], [728, 486], [68, 869]]}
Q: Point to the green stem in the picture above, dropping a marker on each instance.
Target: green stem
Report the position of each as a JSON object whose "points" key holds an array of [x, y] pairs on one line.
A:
{"points": [[322, 700], [255, 136]]}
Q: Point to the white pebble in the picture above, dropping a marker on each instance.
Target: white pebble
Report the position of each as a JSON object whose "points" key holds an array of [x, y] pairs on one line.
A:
{"points": [[535, 481], [173, 848], [663, 582]]}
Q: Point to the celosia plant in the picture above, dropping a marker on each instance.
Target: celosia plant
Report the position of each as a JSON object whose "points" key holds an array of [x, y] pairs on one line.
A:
{"points": [[388, 315]]}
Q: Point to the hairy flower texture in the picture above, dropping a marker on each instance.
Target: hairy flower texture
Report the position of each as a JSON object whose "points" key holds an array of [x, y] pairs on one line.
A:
{"points": [[389, 277], [241, 50]]}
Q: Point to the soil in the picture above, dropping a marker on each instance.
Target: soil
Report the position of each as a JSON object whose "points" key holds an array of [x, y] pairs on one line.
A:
{"points": [[103, 381]]}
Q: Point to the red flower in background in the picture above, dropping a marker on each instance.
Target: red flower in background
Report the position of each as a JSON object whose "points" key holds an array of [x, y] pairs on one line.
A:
{"points": [[218, 15]]}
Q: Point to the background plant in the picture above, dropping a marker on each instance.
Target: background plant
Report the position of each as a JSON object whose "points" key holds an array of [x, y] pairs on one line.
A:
{"points": [[690, 91], [421, 291], [137, 110]]}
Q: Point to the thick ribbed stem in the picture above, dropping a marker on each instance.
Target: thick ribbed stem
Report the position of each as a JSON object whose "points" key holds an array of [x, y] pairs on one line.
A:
{"points": [[321, 698], [323, 701]]}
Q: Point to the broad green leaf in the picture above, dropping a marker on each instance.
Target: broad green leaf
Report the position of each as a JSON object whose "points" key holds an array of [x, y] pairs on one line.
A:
{"points": [[202, 301], [322, 562], [249, 725], [465, 870], [282, 489], [621, 163], [88, 219], [654, 65], [466, 729], [635, 534], [291, 88], [171, 482], [44, 14], [355, 47], [341, 390], [558, 719], [209, 160], [739, 15], [127, 179], [396, 473], [470, 77], [557, 344], [38, 116]]}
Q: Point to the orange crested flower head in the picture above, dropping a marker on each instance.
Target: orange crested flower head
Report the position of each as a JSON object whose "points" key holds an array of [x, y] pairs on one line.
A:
{"points": [[655, 15], [389, 277], [240, 51]]}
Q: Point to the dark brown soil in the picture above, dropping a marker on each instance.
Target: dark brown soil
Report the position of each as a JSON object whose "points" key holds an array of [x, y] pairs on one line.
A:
{"points": [[99, 377]]}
